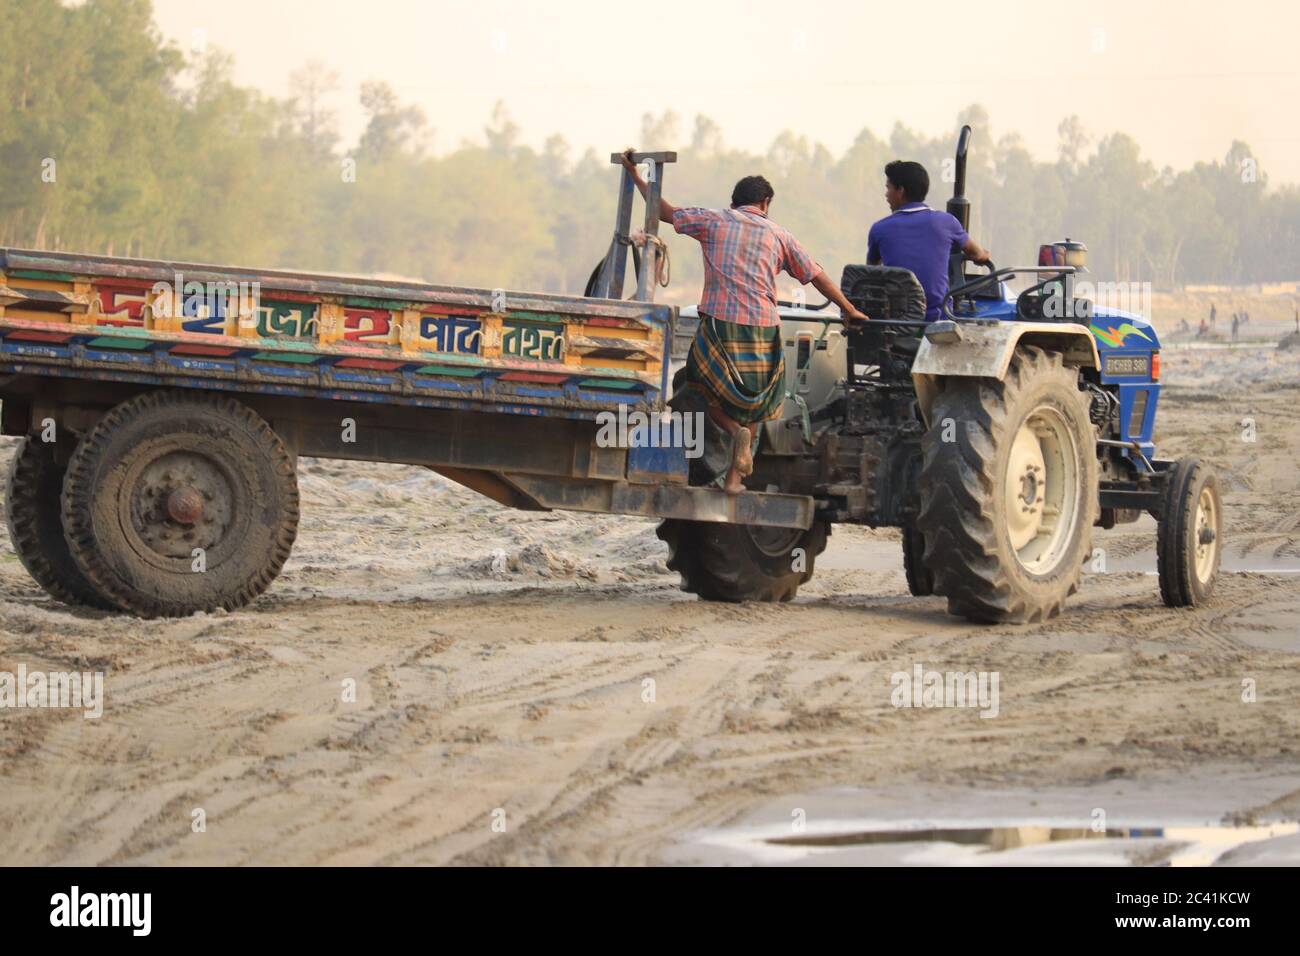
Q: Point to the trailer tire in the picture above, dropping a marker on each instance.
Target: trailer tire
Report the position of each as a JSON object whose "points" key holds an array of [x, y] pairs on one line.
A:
{"points": [[920, 580], [1016, 450], [731, 562], [1187, 564], [180, 502], [33, 512]]}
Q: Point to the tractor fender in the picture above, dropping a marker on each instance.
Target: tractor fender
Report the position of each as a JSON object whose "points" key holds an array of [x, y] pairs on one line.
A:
{"points": [[984, 350]]}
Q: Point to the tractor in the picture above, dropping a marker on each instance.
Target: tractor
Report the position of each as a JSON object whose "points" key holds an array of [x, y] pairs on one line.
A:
{"points": [[995, 438]]}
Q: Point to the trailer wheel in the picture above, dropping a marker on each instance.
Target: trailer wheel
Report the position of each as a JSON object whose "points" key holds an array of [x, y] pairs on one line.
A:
{"points": [[176, 502], [730, 562], [1189, 534], [34, 516], [1009, 499], [920, 582]]}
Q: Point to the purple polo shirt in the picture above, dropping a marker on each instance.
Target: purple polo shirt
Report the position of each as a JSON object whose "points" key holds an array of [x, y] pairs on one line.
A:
{"points": [[918, 238]]}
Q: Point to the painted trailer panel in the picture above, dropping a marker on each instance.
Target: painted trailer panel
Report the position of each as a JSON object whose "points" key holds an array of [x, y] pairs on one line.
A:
{"points": [[347, 337]]}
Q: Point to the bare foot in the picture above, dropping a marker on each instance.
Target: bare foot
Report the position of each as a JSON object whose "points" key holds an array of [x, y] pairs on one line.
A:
{"points": [[734, 485], [742, 457]]}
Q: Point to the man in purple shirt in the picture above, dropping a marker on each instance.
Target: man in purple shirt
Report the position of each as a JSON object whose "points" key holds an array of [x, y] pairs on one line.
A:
{"points": [[916, 237]]}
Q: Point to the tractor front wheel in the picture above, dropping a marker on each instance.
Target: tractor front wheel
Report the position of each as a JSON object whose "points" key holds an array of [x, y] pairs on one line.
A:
{"points": [[1188, 537]]}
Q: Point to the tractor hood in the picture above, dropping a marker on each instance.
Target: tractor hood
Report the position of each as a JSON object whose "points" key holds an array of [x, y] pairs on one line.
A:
{"points": [[1112, 328], [1117, 329]]}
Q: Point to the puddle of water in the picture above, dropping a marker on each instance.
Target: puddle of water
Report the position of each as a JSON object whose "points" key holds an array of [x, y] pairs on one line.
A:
{"points": [[1161, 818], [1186, 845], [992, 838], [997, 843]]}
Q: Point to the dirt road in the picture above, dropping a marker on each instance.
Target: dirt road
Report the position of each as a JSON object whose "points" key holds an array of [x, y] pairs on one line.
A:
{"points": [[532, 688]]}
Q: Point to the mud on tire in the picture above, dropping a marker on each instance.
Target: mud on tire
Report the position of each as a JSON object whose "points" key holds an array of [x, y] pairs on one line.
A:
{"points": [[180, 502], [33, 512], [728, 562], [1017, 449]]}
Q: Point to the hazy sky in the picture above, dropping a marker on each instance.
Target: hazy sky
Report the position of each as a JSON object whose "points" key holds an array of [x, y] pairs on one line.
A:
{"points": [[1184, 78]]}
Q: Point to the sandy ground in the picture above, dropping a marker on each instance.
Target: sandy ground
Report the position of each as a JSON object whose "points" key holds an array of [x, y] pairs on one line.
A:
{"points": [[541, 672]]}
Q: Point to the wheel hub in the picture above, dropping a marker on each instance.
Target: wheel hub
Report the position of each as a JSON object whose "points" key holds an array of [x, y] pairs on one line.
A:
{"points": [[1025, 473], [1029, 496], [185, 506], [180, 502], [1207, 537], [1041, 490]]}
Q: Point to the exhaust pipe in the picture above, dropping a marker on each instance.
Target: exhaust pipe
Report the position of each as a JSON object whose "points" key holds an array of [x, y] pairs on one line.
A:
{"points": [[959, 205]]}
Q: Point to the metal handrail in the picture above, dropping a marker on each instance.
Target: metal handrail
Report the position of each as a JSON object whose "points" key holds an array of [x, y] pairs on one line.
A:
{"points": [[998, 275], [796, 305], [874, 323]]}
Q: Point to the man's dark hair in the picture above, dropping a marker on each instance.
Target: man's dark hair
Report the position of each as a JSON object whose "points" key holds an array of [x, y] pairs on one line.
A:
{"points": [[751, 191], [910, 177]]}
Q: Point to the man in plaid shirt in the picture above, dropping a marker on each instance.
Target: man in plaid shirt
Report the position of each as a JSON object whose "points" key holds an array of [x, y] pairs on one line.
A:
{"points": [[736, 359]]}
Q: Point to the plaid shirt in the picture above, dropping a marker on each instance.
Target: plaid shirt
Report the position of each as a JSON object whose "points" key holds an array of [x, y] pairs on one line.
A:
{"points": [[743, 252]]}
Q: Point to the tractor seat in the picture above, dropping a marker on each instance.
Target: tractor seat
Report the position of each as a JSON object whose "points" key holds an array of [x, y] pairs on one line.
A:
{"points": [[884, 292]]}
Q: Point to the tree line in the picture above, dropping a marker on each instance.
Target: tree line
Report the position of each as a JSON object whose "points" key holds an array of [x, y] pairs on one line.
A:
{"points": [[114, 141]]}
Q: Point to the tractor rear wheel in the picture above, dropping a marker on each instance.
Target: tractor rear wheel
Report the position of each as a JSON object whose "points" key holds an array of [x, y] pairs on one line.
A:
{"points": [[180, 502], [1188, 537], [34, 516], [1009, 490], [731, 562]]}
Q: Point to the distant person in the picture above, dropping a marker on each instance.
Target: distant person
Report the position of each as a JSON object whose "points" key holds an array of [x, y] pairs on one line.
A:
{"points": [[1213, 313], [918, 238], [1200, 332], [1235, 325], [737, 360]]}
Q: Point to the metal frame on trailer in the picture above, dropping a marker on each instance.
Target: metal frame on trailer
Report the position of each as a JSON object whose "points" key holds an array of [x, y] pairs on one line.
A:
{"points": [[609, 283]]}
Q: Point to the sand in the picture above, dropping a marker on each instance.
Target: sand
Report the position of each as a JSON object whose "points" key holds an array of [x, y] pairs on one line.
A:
{"points": [[533, 688]]}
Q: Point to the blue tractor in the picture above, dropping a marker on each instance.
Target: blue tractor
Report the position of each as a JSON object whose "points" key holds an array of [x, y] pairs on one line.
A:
{"points": [[996, 438]]}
